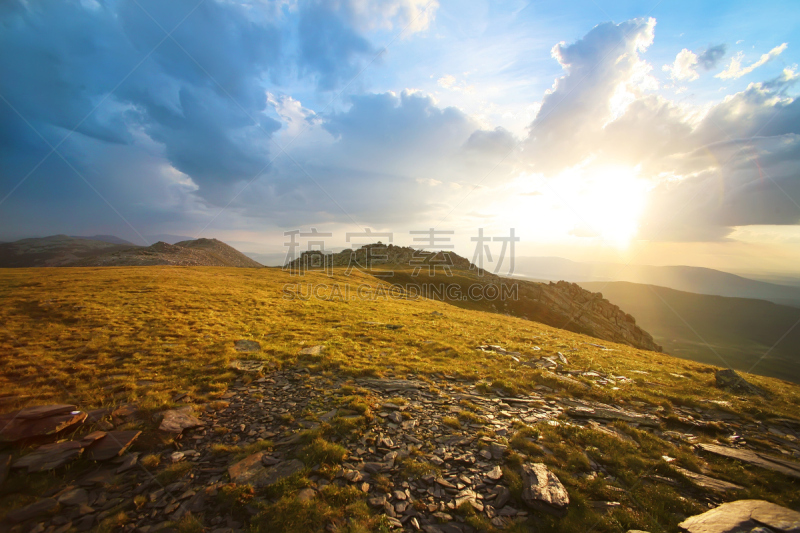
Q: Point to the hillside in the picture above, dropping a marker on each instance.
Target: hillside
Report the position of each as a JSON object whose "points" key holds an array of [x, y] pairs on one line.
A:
{"points": [[682, 278], [448, 277], [62, 251], [229, 399], [57, 250], [741, 331]]}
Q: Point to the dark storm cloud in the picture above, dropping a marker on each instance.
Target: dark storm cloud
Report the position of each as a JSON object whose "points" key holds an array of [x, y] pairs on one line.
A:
{"points": [[712, 56]]}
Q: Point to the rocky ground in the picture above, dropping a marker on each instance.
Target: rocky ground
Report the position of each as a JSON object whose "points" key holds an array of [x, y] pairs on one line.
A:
{"points": [[432, 455]]}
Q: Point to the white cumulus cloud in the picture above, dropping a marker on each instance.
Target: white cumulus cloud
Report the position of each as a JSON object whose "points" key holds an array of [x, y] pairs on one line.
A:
{"points": [[735, 69], [684, 66]]}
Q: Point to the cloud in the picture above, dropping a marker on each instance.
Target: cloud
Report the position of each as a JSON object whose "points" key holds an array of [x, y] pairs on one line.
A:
{"points": [[683, 69], [330, 48], [731, 164], [735, 69], [604, 74], [712, 56], [409, 16]]}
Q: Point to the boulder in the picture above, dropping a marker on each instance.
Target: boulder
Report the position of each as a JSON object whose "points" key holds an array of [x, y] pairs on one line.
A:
{"points": [[177, 420], [312, 350], [542, 490], [728, 379], [743, 515]]}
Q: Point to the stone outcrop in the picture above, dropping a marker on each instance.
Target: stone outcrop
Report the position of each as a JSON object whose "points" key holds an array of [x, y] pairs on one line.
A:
{"points": [[728, 379], [542, 490]]}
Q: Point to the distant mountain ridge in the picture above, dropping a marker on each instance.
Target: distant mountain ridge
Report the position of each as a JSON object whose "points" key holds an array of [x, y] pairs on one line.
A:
{"points": [[750, 335], [62, 250], [683, 278]]}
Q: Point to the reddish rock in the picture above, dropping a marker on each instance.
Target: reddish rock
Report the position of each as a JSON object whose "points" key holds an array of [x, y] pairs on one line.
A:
{"points": [[15, 427], [112, 445]]}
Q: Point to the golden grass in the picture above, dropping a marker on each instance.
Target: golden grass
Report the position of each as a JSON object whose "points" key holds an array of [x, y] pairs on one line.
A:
{"points": [[106, 335], [102, 336]]}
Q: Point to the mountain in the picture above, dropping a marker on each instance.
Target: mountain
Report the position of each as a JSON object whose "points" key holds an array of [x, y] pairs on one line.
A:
{"points": [[56, 250], [448, 277], [747, 334], [167, 238], [683, 278], [61, 250], [106, 238]]}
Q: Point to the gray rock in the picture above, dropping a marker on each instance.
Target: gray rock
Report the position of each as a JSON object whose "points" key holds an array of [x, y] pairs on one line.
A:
{"points": [[743, 515], [542, 490], [245, 345], [728, 379]]}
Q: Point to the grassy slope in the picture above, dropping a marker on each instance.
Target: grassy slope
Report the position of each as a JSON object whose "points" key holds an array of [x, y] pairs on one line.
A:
{"points": [[63, 330], [711, 329], [96, 336]]}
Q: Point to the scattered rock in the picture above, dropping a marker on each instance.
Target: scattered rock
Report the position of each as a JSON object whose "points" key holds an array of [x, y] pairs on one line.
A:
{"points": [[306, 495], [176, 420], [743, 515], [542, 490], [245, 346], [607, 412]]}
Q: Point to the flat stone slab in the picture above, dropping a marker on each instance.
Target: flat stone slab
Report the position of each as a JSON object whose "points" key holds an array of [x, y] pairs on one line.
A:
{"points": [[14, 427], [112, 445], [32, 511], [252, 366], [245, 346], [706, 482], [613, 432], [251, 470], [50, 456], [542, 490], [607, 412], [763, 460], [743, 516], [44, 411], [177, 420]]}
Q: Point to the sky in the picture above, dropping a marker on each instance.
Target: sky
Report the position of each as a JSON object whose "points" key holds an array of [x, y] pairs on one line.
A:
{"points": [[648, 132]]}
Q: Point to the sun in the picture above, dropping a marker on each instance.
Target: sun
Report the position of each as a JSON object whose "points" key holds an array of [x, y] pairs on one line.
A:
{"points": [[611, 201]]}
